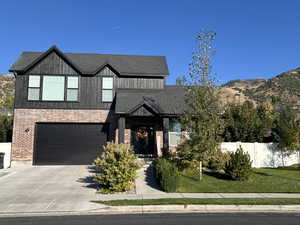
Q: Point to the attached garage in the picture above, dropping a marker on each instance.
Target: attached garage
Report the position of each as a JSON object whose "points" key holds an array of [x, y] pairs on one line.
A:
{"points": [[69, 143]]}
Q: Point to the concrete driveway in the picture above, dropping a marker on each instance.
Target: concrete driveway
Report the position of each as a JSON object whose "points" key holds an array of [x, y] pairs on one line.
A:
{"points": [[47, 188]]}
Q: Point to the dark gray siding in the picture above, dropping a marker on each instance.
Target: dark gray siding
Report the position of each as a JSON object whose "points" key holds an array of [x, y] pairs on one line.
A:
{"points": [[52, 64], [143, 111], [89, 97], [89, 86], [144, 83]]}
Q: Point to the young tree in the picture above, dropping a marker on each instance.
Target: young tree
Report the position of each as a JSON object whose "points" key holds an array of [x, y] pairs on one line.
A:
{"points": [[287, 132], [201, 118]]}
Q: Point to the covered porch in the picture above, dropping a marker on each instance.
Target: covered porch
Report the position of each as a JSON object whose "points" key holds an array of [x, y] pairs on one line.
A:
{"points": [[145, 117]]}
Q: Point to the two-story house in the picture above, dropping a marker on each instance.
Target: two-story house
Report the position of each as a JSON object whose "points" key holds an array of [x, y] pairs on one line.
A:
{"points": [[68, 105]]}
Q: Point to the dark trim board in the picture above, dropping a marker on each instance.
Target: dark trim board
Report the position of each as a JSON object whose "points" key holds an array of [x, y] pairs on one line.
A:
{"points": [[68, 143]]}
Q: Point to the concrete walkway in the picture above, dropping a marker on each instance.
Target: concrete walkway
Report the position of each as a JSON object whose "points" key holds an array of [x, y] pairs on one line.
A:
{"points": [[146, 182]]}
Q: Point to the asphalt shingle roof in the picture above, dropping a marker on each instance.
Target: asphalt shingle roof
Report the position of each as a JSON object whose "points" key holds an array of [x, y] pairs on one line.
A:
{"points": [[89, 63], [170, 100]]}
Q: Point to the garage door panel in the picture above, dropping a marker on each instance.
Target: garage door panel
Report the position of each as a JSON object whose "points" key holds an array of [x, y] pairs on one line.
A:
{"points": [[64, 143]]}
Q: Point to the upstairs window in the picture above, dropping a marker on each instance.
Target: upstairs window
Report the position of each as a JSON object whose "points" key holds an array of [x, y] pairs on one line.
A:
{"points": [[72, 88], [107, 89], [53, 88], [34, 88], [174, 133]]}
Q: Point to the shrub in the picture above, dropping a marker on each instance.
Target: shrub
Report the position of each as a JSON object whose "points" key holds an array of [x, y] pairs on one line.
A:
{"points": [[218, 160], [187, 155], [167, 174], [239, 165], [116, 168], [6, 126]]}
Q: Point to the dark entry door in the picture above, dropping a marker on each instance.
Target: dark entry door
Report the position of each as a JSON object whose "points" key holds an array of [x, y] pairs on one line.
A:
{"points": [[68, 143], [142, 139]]}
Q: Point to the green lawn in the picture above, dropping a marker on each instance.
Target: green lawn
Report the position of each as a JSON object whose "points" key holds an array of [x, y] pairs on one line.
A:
{"points": [[202, 201], [283, 180]]}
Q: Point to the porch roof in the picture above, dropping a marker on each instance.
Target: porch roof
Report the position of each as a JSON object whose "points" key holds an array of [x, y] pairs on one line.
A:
{"points": [[167, 101]]}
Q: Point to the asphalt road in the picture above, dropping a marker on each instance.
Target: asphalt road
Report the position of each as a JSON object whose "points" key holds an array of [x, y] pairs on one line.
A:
{"points": [[157, 219]]}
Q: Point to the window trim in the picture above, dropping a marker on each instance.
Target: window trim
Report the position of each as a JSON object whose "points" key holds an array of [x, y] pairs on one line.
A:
{"points": [[28, 87], [65, 87], [103, 89], [174, 120], [173, 132]]}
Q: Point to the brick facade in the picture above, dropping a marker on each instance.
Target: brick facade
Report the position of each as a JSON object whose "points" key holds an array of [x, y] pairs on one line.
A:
{"points": [[25, 119]]}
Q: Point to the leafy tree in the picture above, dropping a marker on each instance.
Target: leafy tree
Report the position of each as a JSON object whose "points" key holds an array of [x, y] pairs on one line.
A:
{"points": [[201, 118], [248, 123], [287, 132]]}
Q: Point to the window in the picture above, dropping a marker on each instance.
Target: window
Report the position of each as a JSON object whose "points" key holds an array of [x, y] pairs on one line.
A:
{"points": [[107, 89], [72, 88], [34, 88], [174, 133], [53, 88]]}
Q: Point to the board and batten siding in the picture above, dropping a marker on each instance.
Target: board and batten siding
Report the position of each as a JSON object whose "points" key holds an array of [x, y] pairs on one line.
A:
{"points": [[52, 64], [90, 94], [144, 83]]}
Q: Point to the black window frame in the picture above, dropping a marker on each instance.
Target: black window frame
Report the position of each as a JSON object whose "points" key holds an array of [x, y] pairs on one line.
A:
{"points": [[39, 88], [103, 89], [65, 87]]}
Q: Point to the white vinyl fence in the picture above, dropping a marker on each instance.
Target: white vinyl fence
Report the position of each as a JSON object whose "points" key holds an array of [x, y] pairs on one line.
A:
{"points": [[6, 148], [262, 154]]}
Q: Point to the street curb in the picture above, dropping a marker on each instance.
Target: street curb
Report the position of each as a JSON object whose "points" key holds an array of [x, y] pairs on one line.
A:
{"points": [[166, 209], [200, 208]]}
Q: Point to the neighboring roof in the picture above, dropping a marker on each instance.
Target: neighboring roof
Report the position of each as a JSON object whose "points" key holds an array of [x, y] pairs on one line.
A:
{"points": [[170, 100], [92, 63]]}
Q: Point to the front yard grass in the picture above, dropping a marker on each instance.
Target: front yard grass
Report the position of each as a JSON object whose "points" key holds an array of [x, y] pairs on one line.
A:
{"points": [[204, 201], [263, 180]]}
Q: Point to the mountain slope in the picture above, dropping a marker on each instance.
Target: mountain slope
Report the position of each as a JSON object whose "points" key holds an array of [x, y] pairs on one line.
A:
{"points": [[284, 88]]}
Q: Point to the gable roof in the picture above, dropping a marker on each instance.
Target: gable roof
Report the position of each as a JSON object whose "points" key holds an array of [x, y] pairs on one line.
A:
{"points": [[167, 101], [90, 64]]}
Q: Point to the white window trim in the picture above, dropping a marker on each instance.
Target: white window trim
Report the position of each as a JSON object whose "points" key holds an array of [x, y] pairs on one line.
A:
{"points": [[103, 89], [173, 132]]}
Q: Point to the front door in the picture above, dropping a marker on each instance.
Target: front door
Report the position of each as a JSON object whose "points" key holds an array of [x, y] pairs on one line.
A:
{"points": [[142, 139]]}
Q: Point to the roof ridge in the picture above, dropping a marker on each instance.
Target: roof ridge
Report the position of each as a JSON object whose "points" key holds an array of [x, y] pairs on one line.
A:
{"points": [[87, 53]]}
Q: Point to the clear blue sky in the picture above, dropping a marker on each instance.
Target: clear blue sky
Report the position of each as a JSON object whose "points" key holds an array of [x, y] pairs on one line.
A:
{"points": [[255, 39]]}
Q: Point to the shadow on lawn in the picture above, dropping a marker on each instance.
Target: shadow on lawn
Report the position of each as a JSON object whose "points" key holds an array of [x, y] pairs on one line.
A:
{"points": [[195, 177], [217, 175]]}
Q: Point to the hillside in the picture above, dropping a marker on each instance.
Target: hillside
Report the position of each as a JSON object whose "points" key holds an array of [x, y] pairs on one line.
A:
{"points": [[284, 88]]}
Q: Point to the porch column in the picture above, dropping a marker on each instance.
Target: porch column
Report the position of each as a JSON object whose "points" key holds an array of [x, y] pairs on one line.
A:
{"points": [[166, 133], [121, 128]]}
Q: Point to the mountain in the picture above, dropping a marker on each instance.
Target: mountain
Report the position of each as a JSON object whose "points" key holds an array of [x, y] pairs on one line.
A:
{"points": [[283, 88]]}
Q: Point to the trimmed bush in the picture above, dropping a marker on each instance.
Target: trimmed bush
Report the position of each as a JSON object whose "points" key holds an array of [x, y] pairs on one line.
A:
{"points": [[239, 165], [167, 174], [116, 168], [218, 160]]}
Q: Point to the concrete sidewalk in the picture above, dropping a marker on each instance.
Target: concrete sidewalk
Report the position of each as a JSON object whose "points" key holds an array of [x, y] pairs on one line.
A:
{"points": [[194, 195]]}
